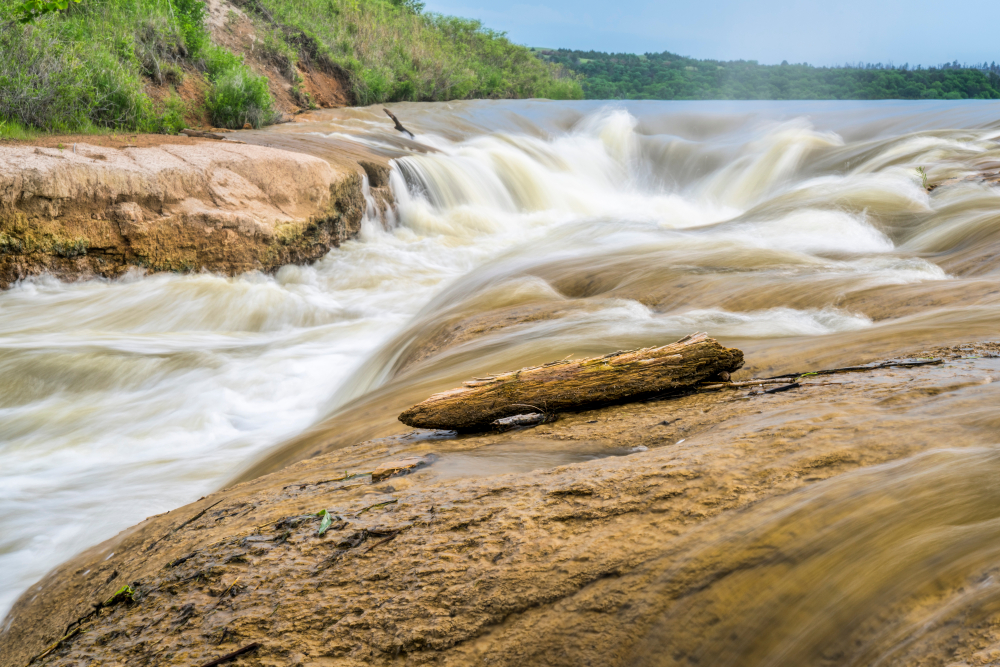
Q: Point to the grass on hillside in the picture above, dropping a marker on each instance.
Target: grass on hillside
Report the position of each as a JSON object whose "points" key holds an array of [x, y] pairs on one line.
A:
{"points": [[394, 52], [88, 67]]}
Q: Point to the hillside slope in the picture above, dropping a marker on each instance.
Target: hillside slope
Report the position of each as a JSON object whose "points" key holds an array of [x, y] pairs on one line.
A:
{"points": [[161, 65]]}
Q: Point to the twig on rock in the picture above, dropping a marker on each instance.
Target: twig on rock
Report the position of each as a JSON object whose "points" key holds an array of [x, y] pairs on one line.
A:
{"points": [[232, 656]]}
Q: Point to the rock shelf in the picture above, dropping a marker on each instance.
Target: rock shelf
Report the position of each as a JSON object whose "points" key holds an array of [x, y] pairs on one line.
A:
{"points": [[83, 211], [547, 566]]}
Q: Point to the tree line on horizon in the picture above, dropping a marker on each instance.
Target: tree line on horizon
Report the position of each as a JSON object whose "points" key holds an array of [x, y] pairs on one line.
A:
{"points": [[668, 76]]}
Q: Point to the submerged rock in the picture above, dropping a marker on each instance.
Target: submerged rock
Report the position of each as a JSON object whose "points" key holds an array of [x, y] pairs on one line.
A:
{"points": [[400, 467], [85, 211]]}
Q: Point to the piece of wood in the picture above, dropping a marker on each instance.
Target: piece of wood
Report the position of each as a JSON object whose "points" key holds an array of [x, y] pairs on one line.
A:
{"points": [[399, 126], [571, 385], [200, 134], [232, 656], [517, 421], [786, 387], [866, 367], [737, 385]]}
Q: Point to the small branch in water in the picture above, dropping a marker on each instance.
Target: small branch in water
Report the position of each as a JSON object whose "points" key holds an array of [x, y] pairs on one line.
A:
{"points": [[194, 518], [232, 656], [346, 477], [870, 367], [226, 591], [365, 509], [786, 387], [202, 135], [388, 539], [399, 126], [68, 636], [737, 385]]}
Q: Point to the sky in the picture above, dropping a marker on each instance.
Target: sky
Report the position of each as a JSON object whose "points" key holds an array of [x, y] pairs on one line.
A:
{"points": [[769, 31]]}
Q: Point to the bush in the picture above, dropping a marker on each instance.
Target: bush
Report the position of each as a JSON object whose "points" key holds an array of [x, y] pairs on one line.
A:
{"points": [[86, 68], [41, 84], [172, 117], [239, 97]]}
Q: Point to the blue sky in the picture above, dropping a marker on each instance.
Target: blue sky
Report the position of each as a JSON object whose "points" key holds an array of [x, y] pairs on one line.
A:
{"points": [[769, 31]]}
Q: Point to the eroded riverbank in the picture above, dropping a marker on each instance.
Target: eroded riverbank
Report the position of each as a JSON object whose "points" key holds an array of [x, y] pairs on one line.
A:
{"points": [[81, 211], [691, 509]]}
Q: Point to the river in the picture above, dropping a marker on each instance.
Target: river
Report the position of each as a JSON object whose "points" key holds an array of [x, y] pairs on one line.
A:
{"points": [[799, 232]]}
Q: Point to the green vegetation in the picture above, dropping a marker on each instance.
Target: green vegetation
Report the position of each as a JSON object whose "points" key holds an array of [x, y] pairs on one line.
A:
{"points": [[325, 523], [29, 10], [394, 52], [88, 66], [667, 76]]}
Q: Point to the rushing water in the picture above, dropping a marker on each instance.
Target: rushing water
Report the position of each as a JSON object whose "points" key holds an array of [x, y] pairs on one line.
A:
{"points": [[799, 232]]}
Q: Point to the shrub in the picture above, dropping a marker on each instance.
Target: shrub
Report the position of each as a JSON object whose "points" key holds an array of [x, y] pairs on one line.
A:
{"points": [[72, 71], [172, 115], [239, 97]]}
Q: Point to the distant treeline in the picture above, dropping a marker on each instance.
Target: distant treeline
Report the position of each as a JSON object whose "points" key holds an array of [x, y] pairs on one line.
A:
{"points": [[668, 76]]}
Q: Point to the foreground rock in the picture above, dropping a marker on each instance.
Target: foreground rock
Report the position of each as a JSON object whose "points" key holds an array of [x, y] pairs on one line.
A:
{"points": [[84, 211], [696, 523]]}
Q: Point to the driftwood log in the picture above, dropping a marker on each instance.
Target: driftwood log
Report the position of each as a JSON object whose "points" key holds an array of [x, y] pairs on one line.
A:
{"points": [[202, 135], [571, 385], [399, 126]]}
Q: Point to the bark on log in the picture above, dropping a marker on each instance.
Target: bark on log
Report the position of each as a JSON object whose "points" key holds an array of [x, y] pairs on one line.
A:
{"points": [[571, 385]]}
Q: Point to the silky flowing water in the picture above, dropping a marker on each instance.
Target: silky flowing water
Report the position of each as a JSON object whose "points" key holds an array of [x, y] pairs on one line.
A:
{"points": [[525, 232]]}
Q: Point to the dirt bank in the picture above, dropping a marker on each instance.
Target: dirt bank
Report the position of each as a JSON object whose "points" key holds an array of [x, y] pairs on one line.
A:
{"points": [[116, 140], [566, 544], [82, 211]]}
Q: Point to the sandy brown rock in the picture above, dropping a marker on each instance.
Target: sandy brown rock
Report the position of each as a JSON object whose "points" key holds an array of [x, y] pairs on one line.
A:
{"points": [[574, 564], [85, 211]]}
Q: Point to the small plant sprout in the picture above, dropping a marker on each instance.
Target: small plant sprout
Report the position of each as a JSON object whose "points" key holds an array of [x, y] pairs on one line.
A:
{"points": [[327, 519], [922, 173], [123, 594]]}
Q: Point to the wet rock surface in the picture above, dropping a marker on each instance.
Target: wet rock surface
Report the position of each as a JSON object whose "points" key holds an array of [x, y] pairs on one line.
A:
{"points": [[654, 533], [83, 211]]}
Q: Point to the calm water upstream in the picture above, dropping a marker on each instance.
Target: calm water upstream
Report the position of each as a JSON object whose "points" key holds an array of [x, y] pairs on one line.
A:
{"points": [[799, 232]]}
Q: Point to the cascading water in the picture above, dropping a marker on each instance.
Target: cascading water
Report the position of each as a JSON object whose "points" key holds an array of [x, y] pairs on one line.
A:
{"points": [[799, 233]]}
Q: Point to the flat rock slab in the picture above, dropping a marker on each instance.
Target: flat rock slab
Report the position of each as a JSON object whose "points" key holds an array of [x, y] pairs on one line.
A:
{"points": [[609, 561], [85, 211]]}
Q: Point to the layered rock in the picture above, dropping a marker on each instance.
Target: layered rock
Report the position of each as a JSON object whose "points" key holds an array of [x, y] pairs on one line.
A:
{"points": [[84, 211]]}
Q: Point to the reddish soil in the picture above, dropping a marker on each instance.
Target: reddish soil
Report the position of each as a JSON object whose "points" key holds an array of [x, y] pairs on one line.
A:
{"points": [[191, 89], [324, 89], [116, 140]]}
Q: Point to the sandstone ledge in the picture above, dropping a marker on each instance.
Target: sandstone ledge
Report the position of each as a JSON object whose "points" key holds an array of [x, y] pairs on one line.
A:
{"points": [[571, 565], [85, 211]]}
